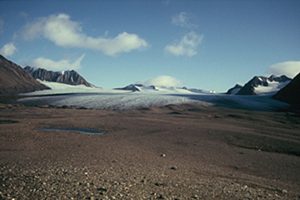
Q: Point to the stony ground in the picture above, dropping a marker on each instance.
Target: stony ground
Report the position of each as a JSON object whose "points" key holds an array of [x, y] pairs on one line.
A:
{"points": [[88, 183], [175, 152]]}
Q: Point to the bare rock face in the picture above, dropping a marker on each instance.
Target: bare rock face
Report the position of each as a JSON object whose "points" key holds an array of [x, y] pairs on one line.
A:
{"points": [[14, 80], [66, 77], [290, 93]]}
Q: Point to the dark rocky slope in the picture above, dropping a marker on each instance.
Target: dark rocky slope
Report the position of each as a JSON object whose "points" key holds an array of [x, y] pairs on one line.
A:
{"points": [[234, 90], [290, 93], [14, 80]]}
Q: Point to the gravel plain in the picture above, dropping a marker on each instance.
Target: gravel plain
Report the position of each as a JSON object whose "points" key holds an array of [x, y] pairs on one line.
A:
{"points": [[171, 152]]}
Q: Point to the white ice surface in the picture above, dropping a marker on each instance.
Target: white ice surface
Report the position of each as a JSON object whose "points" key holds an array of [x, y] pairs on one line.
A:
{"points": [[124, 101], [61, 88], [82, 96], [92, 97], [111, 101]]}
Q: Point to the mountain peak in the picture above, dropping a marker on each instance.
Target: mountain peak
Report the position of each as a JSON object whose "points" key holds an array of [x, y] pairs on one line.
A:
{"points": [[281, 78], [234, 90], [260, 84]]}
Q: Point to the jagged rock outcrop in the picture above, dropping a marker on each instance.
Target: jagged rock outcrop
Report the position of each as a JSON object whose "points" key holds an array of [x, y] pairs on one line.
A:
{"points": [[250, 87], [67, 77]]}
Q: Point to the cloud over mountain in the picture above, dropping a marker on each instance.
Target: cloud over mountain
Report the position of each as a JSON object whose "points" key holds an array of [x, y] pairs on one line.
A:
{"points": [[58, 65], [163, 81], [8, 49], [65, 32], [288, 68]]}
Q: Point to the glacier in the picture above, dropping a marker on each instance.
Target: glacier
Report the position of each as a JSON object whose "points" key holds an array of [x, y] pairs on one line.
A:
{"points": [[98, 98]]}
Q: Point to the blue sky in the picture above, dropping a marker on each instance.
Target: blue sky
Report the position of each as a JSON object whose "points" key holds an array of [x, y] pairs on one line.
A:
{"points": [[204, 44]]}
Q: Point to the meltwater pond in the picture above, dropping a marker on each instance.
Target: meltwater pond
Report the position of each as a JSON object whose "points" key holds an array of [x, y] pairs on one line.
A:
{"points": [[84, 131]]}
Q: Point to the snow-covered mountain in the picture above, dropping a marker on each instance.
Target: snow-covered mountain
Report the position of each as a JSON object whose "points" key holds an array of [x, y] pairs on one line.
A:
{"points": [[261, 85], [66, 77]]}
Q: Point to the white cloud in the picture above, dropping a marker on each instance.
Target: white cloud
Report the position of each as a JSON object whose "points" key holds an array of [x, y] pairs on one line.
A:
{"points": [[187, 46], [59, 65], [163, 81], [8, 49], [182, 19], [65, 32], [288, 68]]}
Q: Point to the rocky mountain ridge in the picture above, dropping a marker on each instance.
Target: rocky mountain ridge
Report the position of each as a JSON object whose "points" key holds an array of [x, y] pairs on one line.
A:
{"points": [[260, 84], [67, 77]]}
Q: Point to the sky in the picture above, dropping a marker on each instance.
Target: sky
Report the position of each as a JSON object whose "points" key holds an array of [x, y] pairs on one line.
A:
{"points": [[205, 44]]}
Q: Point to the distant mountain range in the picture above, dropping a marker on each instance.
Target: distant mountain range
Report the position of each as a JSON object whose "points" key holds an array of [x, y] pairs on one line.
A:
{"points": [[152, 88], [66, 77], [14, 80], [260, 85]]}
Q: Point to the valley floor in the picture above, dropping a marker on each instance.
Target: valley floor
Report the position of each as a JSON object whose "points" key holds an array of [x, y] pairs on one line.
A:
{"points": [[171, 152]]}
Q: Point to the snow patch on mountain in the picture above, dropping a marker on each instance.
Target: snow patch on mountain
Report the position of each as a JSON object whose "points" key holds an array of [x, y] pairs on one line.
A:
{"points": [[260, 85], [272, 87]]}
